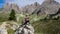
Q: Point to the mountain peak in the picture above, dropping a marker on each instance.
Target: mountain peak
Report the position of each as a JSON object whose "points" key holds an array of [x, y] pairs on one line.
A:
{"points": [[51, 6], [49, 0], [8, 7], [36, 4]]}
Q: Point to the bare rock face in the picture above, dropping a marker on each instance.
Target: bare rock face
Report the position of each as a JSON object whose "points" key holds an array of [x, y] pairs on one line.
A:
{"points": [[30, 8], [8, 7], [50, 6], [16, 8], [47, 7], [49, 0]]}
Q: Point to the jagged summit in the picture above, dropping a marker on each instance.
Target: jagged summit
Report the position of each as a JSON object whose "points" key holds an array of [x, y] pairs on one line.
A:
{"points": [[9, 6], [36, 4], [50, 6], [49, 0], [31, 7]]}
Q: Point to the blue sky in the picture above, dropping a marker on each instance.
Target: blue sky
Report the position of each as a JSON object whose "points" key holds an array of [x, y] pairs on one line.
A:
{"points": [[21, 2], [2, 3]]}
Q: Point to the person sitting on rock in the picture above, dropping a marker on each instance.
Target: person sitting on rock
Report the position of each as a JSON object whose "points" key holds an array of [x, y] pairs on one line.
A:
{"points": [[26, 19]]}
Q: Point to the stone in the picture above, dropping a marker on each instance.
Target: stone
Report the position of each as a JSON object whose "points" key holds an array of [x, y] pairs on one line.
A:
{"points": [[24, 30]]}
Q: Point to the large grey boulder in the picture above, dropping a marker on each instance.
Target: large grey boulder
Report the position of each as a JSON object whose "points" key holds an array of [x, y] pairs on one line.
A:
{"points": [[25, 30]]}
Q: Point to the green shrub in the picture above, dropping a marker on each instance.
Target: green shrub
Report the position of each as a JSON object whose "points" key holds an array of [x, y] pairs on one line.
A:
{"points": [[12, 15]]}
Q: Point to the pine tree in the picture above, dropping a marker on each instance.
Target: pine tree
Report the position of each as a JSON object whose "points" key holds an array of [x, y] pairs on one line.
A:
{"points": [[12, 15]]}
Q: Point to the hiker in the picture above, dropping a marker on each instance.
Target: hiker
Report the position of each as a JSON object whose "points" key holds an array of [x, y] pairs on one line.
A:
{"points": [[26, 27], [26, 20]]}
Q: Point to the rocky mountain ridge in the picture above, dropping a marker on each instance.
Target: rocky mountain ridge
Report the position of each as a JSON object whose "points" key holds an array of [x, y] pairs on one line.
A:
{"points": [[47, 7], [7, 7]]}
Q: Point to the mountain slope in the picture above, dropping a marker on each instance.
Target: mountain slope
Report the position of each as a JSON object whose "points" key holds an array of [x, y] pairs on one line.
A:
{"points": [[30, 8], [8, 7], [50, 6]]}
